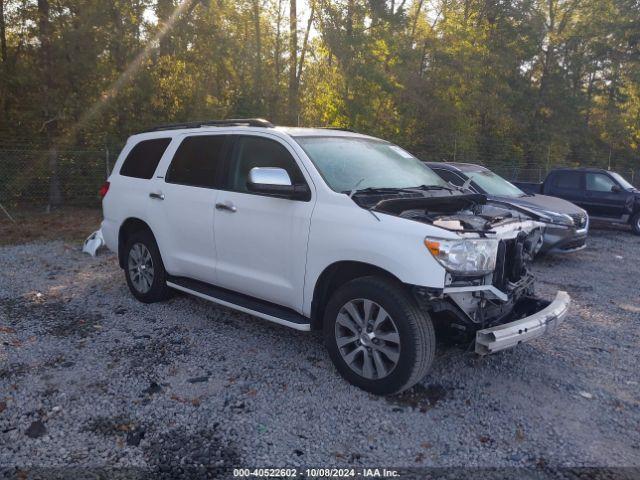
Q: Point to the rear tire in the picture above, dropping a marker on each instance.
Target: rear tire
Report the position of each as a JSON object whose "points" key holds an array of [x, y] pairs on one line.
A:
{"points": [[635, 223], [144, 270], [377, 336]]}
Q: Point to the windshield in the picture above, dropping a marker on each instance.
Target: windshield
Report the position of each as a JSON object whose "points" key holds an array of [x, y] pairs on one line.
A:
{"points": [[621, 180], [494, 184], [348, 163]]}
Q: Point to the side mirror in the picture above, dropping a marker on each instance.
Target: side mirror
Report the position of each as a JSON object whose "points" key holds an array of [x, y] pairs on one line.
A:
{"points": [[275, 182], [616, 189]]}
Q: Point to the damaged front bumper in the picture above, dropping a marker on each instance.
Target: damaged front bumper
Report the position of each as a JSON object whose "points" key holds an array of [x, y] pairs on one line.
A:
{"points": [[507, 335]]}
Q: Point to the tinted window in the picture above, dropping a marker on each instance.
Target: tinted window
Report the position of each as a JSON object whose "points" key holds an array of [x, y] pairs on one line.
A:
{"points": [[598, 182], [567, 180], [449, 176], [260, 152], [144, 158], [197, 161]]}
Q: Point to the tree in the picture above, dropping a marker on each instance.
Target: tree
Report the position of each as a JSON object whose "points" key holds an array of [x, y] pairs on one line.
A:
{"points": [[50, 116], [293, 63]]}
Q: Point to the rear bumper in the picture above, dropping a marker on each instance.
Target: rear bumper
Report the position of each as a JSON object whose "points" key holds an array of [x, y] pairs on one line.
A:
{"points": [[110, 233], [494, 339]]}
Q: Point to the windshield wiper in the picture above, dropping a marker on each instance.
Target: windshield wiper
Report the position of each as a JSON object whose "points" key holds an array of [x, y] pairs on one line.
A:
{"points": [[432, 187], [380, 190]]}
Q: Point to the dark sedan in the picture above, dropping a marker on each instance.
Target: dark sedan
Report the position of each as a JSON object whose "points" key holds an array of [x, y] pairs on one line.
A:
{"points": [[567, 224]]}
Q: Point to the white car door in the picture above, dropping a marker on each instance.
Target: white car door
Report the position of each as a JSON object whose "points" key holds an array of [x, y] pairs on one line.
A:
{"points": [[261, 241], [184, 206]]}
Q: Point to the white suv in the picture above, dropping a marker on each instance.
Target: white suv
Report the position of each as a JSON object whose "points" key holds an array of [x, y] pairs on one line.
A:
{"points": [[325, 229]]}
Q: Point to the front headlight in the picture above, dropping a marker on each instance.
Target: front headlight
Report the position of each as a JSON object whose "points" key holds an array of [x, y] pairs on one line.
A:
{"points": [[477, 255], [559, 218]]}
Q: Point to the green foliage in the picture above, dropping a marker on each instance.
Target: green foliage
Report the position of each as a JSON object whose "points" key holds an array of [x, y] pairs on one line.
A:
{"points": [[523, 83]]}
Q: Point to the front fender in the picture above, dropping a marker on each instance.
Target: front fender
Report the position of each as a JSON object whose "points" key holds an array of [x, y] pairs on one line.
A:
{"points": [[342, 232]]}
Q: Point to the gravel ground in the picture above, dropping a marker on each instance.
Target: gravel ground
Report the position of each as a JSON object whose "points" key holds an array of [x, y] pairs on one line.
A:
{"points": [[91, 378]]}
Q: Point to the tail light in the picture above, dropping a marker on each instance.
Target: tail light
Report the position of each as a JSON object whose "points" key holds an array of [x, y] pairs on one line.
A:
{"points": [[103, 189]]}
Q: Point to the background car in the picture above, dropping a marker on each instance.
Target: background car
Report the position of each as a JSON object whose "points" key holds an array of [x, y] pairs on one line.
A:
{"points": [[567, 224], [606, 195]]}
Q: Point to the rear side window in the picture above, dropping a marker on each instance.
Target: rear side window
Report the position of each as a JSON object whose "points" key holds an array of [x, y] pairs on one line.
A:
{"points": [[144, 158], [197, 161], [568, 180]]}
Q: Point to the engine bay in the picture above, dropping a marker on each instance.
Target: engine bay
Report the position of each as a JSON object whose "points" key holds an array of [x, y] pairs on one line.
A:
{"points": [[468, 213]]}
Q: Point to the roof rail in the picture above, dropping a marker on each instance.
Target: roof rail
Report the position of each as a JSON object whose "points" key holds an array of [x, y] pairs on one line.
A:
{"points": [[342, 129], [232, 122]]}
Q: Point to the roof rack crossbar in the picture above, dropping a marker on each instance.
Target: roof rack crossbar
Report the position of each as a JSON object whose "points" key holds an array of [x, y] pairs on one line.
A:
{"points": [[232, 122]]}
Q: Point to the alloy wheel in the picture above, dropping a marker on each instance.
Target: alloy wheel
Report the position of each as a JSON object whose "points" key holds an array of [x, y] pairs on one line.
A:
{"points": [[141, 269], [367, 338]]}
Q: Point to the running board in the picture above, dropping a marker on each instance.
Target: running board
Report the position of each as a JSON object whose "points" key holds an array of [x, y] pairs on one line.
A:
{"points": [[243, 303]]}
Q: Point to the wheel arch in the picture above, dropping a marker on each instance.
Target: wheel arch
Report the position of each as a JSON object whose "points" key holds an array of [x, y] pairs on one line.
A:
{"points": [[128, 227], [336, 275]]}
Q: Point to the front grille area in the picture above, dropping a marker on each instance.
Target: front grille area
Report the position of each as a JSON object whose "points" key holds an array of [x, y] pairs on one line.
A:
{"points": [[579, 219], [511, 261]]}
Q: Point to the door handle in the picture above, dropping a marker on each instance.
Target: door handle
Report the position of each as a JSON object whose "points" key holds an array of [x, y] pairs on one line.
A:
{"points": [[228, 206], [156, 196]]}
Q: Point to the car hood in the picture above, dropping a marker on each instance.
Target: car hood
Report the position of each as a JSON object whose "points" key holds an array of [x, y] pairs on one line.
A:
{"points": [[461, 213], [541, 202]]}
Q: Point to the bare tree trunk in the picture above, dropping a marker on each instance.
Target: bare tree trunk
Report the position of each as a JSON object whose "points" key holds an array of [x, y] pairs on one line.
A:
{"points": [[305, 43], [293, 63], [257, 82], [4, 70], [276, 60], [49, 126], [164, 9], [3, 37], [55, 196]]}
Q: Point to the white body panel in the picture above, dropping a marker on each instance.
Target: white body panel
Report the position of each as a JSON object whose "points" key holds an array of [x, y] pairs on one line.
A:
{"points": [[183, 223], [262, 245], [270, 248]]}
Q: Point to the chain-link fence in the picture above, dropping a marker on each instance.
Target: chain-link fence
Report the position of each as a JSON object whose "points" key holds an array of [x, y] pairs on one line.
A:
{"points": [[34, 178]]}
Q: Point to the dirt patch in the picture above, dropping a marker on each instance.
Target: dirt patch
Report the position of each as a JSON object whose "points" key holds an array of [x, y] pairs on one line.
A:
{"points": [[420, 397], [178, 453], [147, 353], [57, 317], [68, 224]]}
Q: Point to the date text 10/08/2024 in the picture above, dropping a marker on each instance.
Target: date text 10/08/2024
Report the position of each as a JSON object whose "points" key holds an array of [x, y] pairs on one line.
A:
{"points": [[316, 472]]}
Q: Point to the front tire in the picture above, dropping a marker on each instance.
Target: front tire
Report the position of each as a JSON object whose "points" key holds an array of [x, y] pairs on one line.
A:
{"points": [[635, 223], [144, 270], [377, 336]]}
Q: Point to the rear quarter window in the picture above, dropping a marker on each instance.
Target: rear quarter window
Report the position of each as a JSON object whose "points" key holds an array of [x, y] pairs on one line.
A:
{"points": [[143, 159]]}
